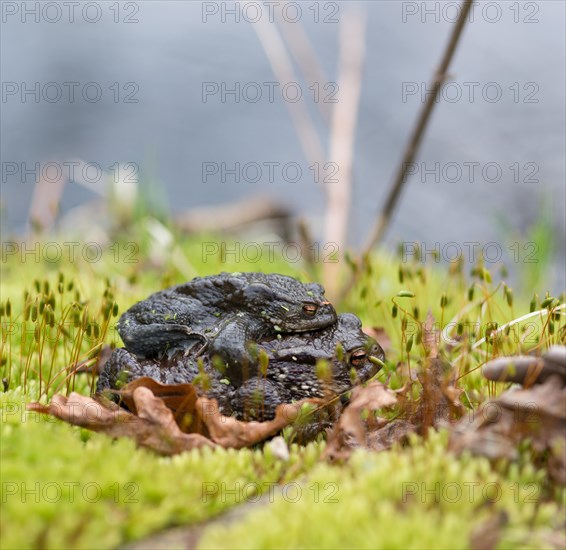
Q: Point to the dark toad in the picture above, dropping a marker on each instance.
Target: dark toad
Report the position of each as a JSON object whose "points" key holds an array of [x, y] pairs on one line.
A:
{"points": [[293, 371], [222, 313]]}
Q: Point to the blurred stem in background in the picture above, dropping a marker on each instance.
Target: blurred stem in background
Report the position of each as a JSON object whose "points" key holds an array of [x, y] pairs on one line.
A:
{"points": [[340, 117], [342, 138], [342, 125], [412, 148]]}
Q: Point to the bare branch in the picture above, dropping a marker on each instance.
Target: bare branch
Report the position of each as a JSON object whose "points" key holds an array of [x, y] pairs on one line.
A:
{"points": [[282, 66], [342, 137], [413, 145], [304, 55]]}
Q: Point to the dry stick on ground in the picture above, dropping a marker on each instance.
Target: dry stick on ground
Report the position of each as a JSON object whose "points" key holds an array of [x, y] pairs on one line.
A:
{"points": [[342, 138], [412, 147]]}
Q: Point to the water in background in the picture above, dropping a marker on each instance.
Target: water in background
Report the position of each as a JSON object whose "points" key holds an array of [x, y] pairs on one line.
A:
{"points": [[170, 132]]}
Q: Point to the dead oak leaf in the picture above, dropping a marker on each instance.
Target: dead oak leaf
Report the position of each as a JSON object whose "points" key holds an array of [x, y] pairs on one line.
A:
{"points": [[158, 417], [544, 400], [528, 369], [431, 336], [153, 427], [228, 431], [350, 430], [181, 399], [440, 398], [537, 413], [394, 432]]}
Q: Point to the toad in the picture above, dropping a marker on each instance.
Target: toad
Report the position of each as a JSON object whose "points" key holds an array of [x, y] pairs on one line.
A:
{"points": [[293, 371], [222, 314]]}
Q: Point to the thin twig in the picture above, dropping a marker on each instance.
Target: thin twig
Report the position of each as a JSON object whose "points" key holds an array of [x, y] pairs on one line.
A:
{"points": [[342, 138], [304, 55], [413, 145], [282, 67]]}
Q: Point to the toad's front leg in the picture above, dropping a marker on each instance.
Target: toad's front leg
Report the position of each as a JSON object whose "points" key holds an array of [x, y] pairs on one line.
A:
{"points": [[157, 339], [233, 345]]}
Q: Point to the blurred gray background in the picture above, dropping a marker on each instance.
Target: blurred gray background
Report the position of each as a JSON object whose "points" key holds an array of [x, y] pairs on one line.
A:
{"points": [[169, 52]]}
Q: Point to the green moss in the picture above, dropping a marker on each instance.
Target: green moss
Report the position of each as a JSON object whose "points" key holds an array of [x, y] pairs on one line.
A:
{"points": [[418, 497], [64, 487], [67, 487]]}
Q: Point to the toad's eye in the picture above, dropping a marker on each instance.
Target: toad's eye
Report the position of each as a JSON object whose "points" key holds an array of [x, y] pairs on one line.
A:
{"points": [[358, 357], [310, 309]]}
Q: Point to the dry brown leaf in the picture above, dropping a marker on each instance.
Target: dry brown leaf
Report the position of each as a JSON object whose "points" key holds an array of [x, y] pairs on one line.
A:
{"points": [[491, 444], [394, 432], [154, 427], [350, 430], [537, 413], [548, 399], [181, 399], [452, 396], [431, 336], [230, 432], [440, 399], [528, 370], [161, 414]]}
